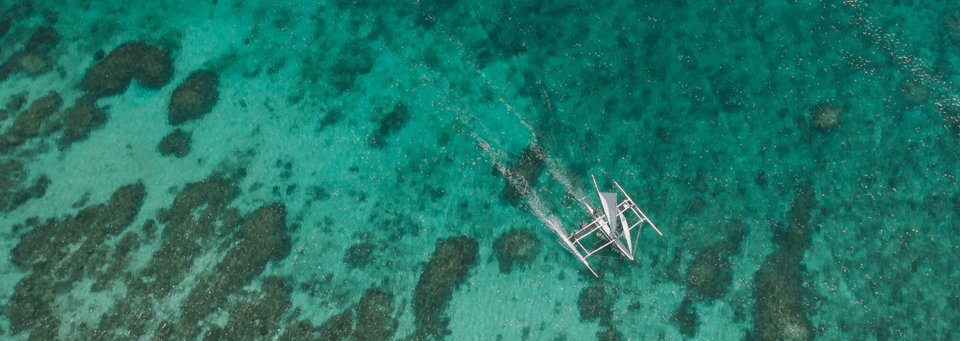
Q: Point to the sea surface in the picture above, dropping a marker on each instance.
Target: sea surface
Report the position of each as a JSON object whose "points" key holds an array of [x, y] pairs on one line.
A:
{"points": [[400, 169]]}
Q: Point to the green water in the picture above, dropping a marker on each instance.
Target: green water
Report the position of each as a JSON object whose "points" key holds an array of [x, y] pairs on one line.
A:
{"points": [[355, 170]]}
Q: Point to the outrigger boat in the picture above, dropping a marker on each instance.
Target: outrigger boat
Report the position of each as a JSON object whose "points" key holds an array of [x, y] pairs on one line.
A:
{"points": [[612, 226]]}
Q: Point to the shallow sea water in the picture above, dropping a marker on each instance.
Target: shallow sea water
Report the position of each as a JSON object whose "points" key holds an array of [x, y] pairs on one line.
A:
{"points": [[357, 170]]}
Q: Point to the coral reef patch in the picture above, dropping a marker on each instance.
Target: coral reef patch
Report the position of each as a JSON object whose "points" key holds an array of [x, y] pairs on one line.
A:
{"points": [[374, 316], [389, 124], [524, 174], [35, 58], [595, 303], [79, 120], [779, 312], [359, 255], [447, 269], [176, 144], [516, 248], [30, 122], [826, 116], [60, 252], [13, 188], [113, 74], [194, 98]]}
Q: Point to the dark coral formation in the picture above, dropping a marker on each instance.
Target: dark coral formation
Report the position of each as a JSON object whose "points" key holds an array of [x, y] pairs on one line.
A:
{"points": [[914, 91], [337, 327], [183, 234], [13, 188], [825, 116], [447, 269], [950, 23], [115, 266], [263, 240], [429, 10], [35, 58], [595, 303], [516, 247], [779, 312], [355, 60], [299, 330], [389, 124], [59, 252], [951, 117], [183, 239], [13, 105], [113, 74], [195, 97], [5, 26], [97, 243], [79, 120], [374, 320], [258, 313], [29, 123], [609, 334], [710, 273], [524, 174], [686, 318], [359, 255], [177, 144]]}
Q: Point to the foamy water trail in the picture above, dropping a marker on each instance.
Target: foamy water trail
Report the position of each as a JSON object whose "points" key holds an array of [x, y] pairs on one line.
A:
{"points": [[530, 196], [559, 173], [897, 48]]}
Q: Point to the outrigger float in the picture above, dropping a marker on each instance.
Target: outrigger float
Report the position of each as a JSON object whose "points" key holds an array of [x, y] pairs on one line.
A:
{"points": [[612, 226]]}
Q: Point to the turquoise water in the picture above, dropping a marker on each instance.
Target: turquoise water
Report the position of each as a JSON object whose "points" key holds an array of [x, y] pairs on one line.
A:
{"points": [[340, 170]]}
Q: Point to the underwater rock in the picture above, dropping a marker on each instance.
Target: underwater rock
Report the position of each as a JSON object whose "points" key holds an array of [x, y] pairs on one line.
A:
{"points": [[517, 247], [359, 255], [13, 105], [430, 10], [194, 98], [609, 334], [826, 116], [60, 252], [154, 68], [180, 243], [257, 315], [524, 174], [13, 189], [951, 117], [374, 322], [914, 91], [355, 60], [337, 327], [28, 123], [709, 275], [79, 120], [779, 312], [389, 124], [35, 58], [686, 318], [262, 240], [447, 269], [177, 143], [595, 303], [299, 330], [5, 26], [113, 74], [950, 24]]}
